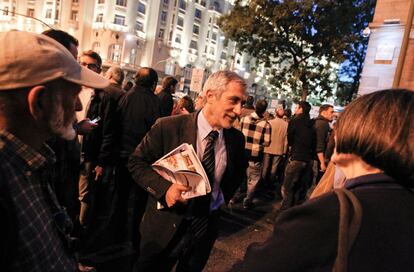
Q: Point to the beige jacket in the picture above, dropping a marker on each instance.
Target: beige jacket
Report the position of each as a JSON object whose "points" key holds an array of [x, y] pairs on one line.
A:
{"points": [[278, 142]]}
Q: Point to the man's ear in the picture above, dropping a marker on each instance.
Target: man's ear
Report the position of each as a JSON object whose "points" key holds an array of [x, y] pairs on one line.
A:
{"points": [[210, 95], [36, 100]]}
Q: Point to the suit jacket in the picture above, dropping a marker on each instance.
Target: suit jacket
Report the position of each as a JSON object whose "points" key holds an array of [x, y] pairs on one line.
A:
{"points": [[159, 226]]}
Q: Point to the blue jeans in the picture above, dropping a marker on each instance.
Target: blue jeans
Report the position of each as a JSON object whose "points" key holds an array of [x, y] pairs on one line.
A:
{"points": [[270, 166], [253, 176]]}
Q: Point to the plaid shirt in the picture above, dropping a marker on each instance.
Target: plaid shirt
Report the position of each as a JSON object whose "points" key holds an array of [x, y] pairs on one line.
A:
{"points": [[257, 132], [23, 182]]}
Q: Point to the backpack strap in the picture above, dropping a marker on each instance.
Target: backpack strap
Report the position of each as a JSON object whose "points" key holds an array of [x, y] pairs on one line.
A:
{"points": [[350, 216]]}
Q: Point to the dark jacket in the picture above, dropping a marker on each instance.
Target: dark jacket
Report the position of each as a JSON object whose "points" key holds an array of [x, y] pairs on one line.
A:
{"points": [[305, 237], [301, 138], [322, 131], [138, 110], [100, 146], [166, 103], [159, 226]]}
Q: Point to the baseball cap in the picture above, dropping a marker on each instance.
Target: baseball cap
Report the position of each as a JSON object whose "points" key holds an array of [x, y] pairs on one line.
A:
{"points": [[29, 59]]}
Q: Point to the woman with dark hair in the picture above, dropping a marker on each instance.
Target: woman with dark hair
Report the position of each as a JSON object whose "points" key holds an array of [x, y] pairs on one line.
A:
{"points": [[374, 149]]}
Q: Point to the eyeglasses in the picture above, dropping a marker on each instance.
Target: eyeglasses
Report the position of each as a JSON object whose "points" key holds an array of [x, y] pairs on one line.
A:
{"points": [[91, 66]]}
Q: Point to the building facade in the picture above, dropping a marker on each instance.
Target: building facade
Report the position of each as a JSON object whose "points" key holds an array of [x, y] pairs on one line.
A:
{"points": [[386, 53], [172, 36]]}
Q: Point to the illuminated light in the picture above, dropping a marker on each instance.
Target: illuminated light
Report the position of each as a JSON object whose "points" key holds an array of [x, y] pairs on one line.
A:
{"points": [[366, 32], [174, 53]]}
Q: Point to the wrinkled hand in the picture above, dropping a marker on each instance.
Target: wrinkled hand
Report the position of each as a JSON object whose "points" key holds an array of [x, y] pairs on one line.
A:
{"points": [[173, 194], [86, 126], [98, 172]]}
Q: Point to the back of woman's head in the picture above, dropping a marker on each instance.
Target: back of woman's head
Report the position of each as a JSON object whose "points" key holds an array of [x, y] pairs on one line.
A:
{"points": [[187, 103], [379, 128]]}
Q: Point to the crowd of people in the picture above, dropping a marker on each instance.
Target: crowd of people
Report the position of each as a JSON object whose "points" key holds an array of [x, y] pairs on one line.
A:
{"points": [[77, 147]]}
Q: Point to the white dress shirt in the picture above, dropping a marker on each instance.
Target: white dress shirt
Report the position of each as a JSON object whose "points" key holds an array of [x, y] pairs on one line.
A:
{"points": [[204, 129]]}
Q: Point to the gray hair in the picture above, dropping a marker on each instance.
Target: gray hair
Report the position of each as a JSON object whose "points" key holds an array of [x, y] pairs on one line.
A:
{"points": [[218, 81], [116, 74]]}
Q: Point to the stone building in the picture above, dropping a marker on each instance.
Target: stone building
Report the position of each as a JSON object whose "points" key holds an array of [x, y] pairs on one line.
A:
{"points": [[386, 54]]}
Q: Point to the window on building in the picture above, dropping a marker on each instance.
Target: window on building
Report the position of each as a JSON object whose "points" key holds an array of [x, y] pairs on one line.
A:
{"points": [[119, 20], [75, 1], [182, 5], [223, 55], [216, 6], [164, 16], [133, 56], [205, 49], [56, 14], [212, 51], [161, 33], [74, 15], [96, 46], [139, 26], [115, 52], [196, 29], [101, 1], [197, 13], [214, 37], [177, 38], [141, 8], [202, 2], [48, 14], [30, 12], [99, 18], [180, 21], [6, 11], [166, 2], [193, 45], [121, 3]]}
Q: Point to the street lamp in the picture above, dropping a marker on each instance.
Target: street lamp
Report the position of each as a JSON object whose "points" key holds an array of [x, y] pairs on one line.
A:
{"points": [[127, 37], [174, 53]]}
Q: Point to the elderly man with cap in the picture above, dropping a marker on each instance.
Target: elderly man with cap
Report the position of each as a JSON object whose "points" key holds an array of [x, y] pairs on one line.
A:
{"points": [[39, 85]]}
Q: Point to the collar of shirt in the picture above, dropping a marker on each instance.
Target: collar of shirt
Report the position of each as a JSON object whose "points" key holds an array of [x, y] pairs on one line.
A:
{"points": [[204, 127], [370, 180], [34, 159]]}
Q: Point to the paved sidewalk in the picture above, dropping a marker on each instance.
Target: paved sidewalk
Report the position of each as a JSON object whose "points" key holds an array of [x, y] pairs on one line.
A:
{"points": [[240, 229]]}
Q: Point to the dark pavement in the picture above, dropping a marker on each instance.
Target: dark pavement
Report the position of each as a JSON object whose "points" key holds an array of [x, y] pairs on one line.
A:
{"points": [[239, 229]]}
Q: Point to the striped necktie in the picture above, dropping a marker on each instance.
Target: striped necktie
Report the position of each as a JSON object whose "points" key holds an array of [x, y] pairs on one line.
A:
{"points": [[209, 161], [199, 224]]}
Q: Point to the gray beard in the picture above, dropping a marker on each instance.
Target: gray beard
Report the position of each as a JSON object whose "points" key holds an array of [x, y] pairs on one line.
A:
{"points": [[57, 125]]}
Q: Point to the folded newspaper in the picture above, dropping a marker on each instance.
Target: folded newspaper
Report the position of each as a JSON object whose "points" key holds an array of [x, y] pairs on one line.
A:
{"points": [[183, 166]]}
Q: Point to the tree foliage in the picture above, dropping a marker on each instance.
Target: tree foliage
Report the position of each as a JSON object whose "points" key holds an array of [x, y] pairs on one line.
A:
{"points": [[298, 39], [355, 53]]}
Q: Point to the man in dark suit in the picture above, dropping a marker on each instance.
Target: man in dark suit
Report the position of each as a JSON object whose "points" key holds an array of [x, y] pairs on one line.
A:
{"points": [[186, 231]]}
